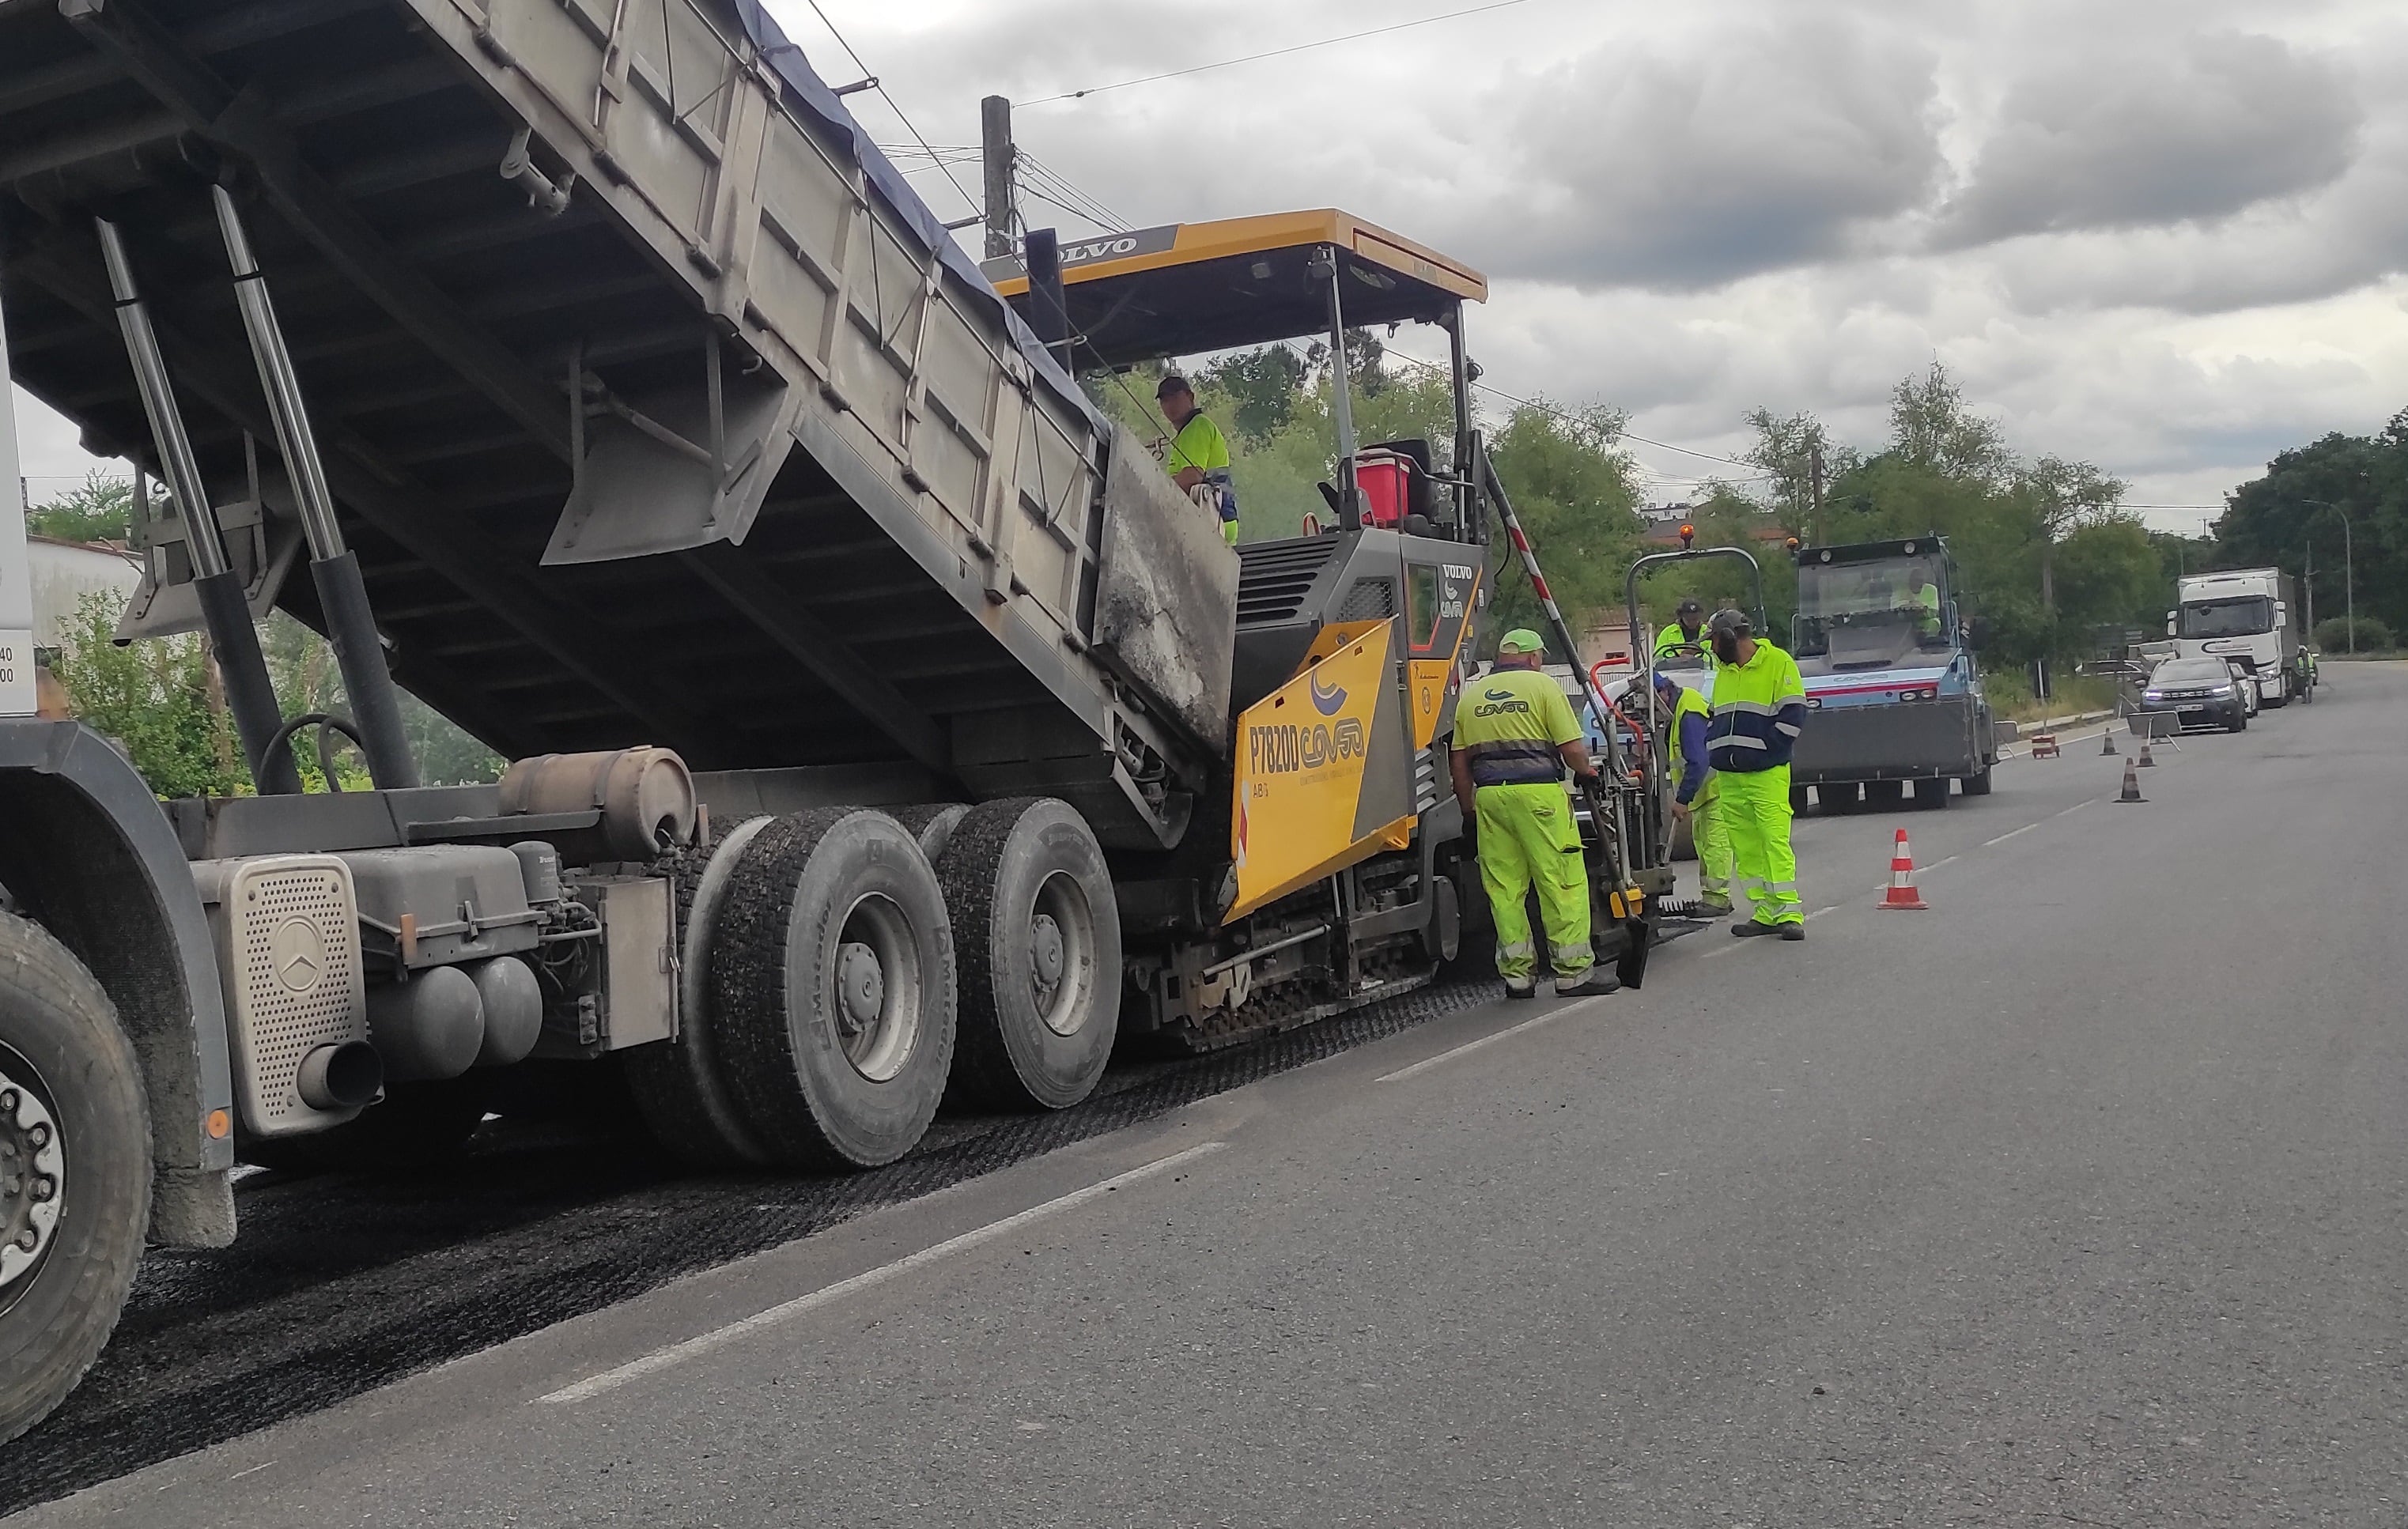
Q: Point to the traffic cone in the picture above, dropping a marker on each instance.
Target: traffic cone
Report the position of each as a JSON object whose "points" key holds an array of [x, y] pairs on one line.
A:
{"points": [[2107, 741], [2147, 760], [2132, 784], [1901, 894]]}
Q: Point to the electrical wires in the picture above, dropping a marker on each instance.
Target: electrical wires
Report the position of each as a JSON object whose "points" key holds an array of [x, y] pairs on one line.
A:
{"points": [[1275, 52], [895, 106]]}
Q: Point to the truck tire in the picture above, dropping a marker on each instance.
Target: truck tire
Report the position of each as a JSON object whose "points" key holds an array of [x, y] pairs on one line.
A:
{"points": [[1038, 937], [75, 1172], [416, 1127], [1931, 793], [932, 823], [832, 982], [1977, 785], [681, 1088]]}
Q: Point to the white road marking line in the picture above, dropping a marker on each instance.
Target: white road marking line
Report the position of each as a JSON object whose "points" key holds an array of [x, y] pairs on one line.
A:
{"points": [[1937, 863], [1820, 911], [1426, 1063], [2075, 807], [2011, 834], [253, 1471], [661, 1359]]}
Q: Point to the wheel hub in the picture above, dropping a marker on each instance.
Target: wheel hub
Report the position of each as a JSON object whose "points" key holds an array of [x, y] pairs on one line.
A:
{"points": [[33, 1177], [861, 987], [1046, 956]]}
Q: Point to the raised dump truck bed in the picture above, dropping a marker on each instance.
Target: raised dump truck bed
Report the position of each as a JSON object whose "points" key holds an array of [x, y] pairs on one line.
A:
{"points": [[823, 501]]}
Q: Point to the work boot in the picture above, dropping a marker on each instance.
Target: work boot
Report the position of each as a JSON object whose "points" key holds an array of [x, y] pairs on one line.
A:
{"points": [[1523, 989], [1595, 983], [1750, 928], [1794, 930], [1714, 908]]}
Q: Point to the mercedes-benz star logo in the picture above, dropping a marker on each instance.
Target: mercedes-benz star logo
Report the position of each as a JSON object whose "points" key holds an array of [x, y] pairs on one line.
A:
{"points": [[298, 953]]}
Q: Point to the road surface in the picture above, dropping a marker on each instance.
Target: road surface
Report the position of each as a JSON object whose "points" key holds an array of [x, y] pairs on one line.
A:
{"points": [[2079, 1198]]}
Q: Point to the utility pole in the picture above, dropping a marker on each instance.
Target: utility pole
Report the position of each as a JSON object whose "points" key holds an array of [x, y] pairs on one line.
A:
{"points": [[2308, 586], [995, 154], [1814, 482]]}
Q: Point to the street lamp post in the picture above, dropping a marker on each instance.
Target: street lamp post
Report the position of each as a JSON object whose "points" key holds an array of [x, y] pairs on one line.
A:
{"points": [[2348, 569]]}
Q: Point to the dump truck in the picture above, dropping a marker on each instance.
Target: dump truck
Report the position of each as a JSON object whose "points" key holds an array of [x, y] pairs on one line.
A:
{"points": [[885, 726]]}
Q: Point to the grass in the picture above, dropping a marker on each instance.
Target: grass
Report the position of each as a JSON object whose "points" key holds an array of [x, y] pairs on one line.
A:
{"points": [[2010, 696]]}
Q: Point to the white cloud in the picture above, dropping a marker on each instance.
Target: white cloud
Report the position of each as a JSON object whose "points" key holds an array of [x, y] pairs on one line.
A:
{"points": [[2156, 136]]}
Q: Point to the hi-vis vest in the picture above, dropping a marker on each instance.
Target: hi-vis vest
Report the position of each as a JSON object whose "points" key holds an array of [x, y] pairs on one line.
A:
{"points": [[1510, 723], [1760, 710]]}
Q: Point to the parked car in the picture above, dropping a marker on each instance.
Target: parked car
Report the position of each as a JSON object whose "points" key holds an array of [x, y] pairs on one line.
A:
{"points": [[2248, 684], [2198, 692]]}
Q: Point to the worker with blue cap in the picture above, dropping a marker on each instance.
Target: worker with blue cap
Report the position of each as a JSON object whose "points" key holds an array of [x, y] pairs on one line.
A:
{"points": [[1514, 737]]}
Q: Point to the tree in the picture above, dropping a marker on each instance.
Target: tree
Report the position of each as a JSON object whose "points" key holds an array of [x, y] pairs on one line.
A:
{"points": [[2303, 498], [100, 508], [158, 699], [1797, 451], [1931, 427], [1261, 387], [2061, 497], [1575, 497]]}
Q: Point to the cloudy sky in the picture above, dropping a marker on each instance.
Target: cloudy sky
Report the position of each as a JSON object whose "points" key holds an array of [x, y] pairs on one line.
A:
{"points": [[2170, 237]]}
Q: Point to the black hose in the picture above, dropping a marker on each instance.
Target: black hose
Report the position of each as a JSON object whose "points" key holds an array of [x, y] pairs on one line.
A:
{"points": [[324, 723]]}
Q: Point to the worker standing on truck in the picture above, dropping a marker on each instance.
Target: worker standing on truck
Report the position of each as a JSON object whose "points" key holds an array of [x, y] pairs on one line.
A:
{"points": [[1198, 455], [1926, 605], [1693, 793], [1759, 712], [1687, 631], [1514, 736]]}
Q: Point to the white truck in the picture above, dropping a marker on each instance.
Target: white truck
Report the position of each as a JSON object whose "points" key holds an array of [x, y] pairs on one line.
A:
{"points": [[2244, 614]]}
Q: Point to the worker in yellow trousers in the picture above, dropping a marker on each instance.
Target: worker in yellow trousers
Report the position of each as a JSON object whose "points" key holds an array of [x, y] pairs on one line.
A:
{"points": [[1695, 791], [1759, 712], [1514, 737]]}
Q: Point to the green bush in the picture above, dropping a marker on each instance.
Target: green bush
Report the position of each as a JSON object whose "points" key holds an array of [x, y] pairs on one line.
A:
{"points": [[2332, 637]]}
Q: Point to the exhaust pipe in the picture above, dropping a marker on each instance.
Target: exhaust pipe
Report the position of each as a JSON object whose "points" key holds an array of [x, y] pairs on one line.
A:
{"points": [[343, 596], [347, 1076]]}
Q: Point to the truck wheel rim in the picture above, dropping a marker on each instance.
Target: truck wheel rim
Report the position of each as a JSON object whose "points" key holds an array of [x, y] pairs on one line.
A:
{"points": [[876, 991], [1062, 955], [33, 1169]]}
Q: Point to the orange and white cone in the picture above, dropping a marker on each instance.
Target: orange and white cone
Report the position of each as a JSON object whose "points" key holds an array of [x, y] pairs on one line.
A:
{"points": [[1901, 894]]}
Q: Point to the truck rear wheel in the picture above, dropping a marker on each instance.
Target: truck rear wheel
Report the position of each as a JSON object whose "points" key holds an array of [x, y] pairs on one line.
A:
{"points": [[75, 1172], [832, 983], [1038, 936], [681, 1088], [1978, 785]]}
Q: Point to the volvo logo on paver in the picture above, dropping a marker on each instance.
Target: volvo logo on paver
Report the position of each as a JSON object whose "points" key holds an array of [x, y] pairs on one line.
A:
{"points": [[298, 954]]}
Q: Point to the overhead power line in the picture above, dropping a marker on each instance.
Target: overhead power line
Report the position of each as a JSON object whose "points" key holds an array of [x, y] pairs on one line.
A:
{"points": [[892, 105], [1275, 52], [1575, 419]]}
